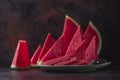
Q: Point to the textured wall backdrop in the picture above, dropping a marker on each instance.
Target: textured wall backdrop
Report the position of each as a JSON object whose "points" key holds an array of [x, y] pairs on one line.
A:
{"points": [[31, 20]]}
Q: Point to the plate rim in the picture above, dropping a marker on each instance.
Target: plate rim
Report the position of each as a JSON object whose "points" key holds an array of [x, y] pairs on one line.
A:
{"points": [[75, 68]]}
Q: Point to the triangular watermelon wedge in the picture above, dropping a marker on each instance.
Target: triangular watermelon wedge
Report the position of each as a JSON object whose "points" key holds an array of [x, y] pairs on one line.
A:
{"points": [[75, 42], [35, 56], [56, 60], [65, 60], [54, 52], [91, 51], [83, 55], [90, 32], [46, 46], [85, 52], [70, 27], [21, 58], [79, 53], [70, 61]]}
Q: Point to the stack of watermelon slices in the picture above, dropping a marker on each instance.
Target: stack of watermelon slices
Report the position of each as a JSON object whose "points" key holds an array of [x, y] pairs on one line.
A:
{"points": [[73, 47]]}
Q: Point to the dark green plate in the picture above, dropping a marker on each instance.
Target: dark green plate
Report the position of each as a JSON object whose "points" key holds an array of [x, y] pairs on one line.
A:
{"points": [[75, 68]]}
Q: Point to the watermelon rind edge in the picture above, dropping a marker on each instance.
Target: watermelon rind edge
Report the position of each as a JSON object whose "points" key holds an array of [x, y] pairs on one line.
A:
{"points": [[39, 63], [99, 36], [73, 20], [17, 67]]}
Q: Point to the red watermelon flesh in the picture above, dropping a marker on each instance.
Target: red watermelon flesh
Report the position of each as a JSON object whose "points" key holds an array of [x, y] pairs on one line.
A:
{"points": [[90, 32], [70, 27], [91, 52], [35, 56], [78, 54], [21, 58], [53, 52], [56, 60], [83, 55], [67, 62], [71, 48], [46, 46], [76, 48], [88, 54], [75, 42]]}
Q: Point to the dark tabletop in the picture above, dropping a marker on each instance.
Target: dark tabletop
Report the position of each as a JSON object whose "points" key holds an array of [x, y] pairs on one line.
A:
{"points": [[109, 73]]}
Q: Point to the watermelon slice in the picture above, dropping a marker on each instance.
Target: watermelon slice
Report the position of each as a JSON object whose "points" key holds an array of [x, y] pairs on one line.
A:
{"points": [[90, 32], [77, 38], [35, 56], [75, 42], [21, 58], [70, 27], [91, 52], [83, 55], [46, 46], [72, 47], [56, 60], [78, 47], [67, 62], [79, 53], [53, 52]]}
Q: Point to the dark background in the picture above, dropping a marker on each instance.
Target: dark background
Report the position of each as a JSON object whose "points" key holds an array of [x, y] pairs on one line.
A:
{"points": [[31, 20]]}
